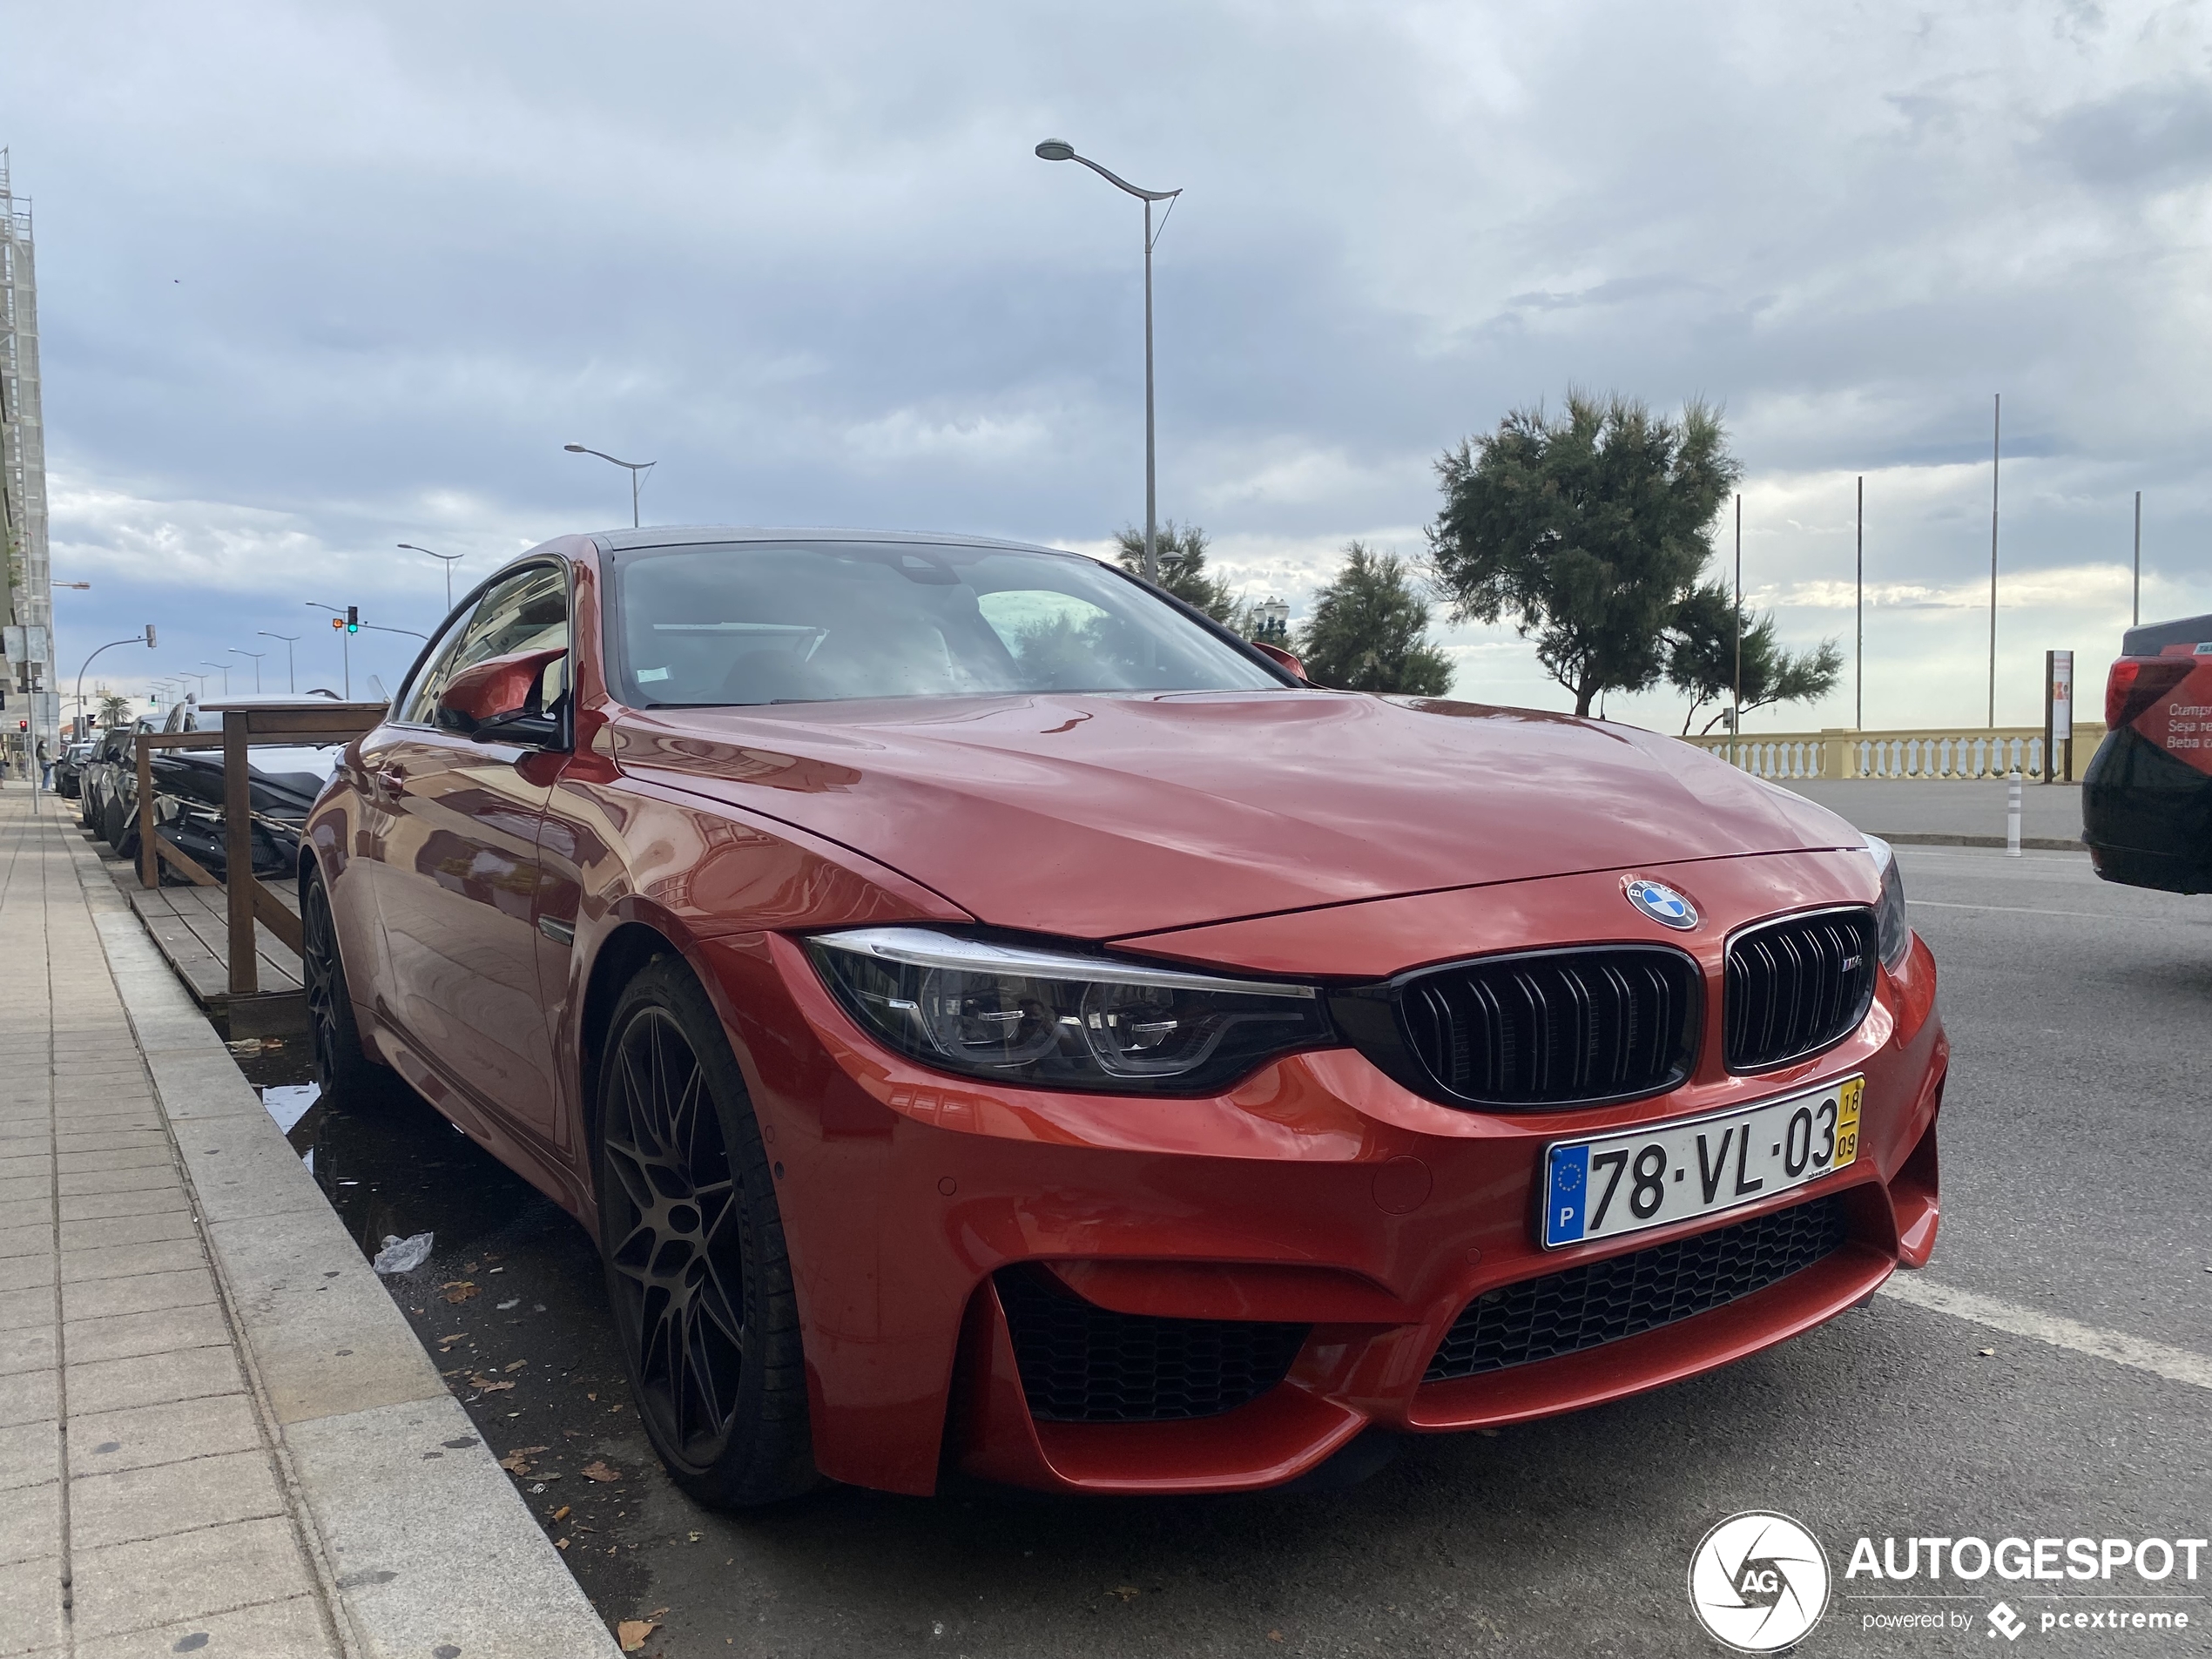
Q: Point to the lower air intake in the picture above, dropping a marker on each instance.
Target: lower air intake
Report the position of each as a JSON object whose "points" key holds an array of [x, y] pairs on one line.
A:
{"points": [[1583, 1307], [1084, 1363]]}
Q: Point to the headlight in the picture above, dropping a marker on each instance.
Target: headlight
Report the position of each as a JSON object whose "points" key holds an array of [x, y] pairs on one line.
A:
{"points": [[1892, 928], [1060, 1020]]}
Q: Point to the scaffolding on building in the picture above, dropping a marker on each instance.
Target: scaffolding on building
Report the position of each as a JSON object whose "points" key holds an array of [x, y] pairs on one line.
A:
{"points": [[29, 641]]}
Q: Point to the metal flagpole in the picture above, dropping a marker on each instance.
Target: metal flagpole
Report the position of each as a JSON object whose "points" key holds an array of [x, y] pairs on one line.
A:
{"points": [[2136, 615], [1858, 660], [1996, 436], [1735, 710]]}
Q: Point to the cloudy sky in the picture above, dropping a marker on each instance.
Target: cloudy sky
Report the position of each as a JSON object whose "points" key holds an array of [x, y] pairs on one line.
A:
{"points": [[320, 278]]}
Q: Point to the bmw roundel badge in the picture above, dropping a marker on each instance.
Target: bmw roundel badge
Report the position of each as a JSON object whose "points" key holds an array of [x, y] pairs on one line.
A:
{"points": [[1663, 904]]}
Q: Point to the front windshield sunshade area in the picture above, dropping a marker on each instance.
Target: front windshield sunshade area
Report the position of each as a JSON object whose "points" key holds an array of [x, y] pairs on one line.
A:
{"points": [[811, 622]]}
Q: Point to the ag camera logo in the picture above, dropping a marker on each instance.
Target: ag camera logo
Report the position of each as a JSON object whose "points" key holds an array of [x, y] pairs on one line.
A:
{"points": [[1759, 1582], [1663, 904]]}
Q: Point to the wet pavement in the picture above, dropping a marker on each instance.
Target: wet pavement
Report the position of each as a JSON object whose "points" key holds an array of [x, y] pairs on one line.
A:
{"points": [[510, 1302]]}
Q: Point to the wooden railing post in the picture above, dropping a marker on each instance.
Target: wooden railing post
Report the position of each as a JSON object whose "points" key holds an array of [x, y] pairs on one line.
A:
{"points": [[149, 849], [238, 876]]}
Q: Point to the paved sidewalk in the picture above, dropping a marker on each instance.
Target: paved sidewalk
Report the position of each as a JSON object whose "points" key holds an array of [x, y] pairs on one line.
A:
{"points": [[218, 1434], [141, 1505]]}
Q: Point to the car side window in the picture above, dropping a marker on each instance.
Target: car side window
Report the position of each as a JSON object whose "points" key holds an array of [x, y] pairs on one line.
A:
{"points": [[528, 612], [418, 705]]}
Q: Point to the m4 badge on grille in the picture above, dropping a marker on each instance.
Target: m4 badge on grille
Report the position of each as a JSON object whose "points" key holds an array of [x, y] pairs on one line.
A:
{"points": [[1663, 904]]}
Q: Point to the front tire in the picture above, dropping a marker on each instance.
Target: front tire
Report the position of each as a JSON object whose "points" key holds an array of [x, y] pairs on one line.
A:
{"points": [[698, 1274], [342, 1067]]}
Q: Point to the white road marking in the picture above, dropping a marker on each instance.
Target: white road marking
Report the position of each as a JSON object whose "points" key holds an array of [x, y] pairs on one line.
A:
{"points": [[2175, 1364]]}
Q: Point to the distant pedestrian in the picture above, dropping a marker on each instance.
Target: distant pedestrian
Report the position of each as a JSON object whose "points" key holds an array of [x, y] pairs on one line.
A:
{"points": [[46, 764]]}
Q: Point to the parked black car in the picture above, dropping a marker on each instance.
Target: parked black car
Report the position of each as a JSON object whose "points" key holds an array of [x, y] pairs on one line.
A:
{"points": [[188, 798], [69, 767], [2147, 797]]}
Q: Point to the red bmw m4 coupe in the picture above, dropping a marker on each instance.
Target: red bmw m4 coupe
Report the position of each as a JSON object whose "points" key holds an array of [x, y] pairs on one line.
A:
{"points": [[994, 1020]]}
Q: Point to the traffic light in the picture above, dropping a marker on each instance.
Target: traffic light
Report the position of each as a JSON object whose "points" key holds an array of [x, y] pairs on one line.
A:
{"points": [[338, 624], [352, 619]]}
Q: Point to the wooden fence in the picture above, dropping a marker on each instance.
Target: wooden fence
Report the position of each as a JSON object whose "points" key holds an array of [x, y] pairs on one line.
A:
{"points": [[1929, 753], [307, 721]]}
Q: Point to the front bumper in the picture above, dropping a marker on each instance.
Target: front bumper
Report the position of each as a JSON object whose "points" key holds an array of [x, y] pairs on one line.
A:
{"points": [[1319, 1194]]}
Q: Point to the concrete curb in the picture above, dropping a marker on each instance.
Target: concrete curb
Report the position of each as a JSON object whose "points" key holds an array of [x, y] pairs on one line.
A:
{"points": [[2028, 843], [428, 1548]]}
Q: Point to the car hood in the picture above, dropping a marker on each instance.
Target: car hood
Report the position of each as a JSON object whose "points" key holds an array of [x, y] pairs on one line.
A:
{"points": [[1102, 816]]}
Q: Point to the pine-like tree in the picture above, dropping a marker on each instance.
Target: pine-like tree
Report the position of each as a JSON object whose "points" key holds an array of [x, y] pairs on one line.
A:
{"points": [[1182, 567], [1589, 530], [1369, 630]]}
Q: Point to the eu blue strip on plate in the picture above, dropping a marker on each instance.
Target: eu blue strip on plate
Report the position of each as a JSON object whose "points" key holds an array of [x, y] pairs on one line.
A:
{"points": [[1563, 1201]]}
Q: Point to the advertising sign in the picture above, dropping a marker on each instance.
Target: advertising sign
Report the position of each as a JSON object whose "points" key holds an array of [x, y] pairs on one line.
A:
{"points": [[2062, 696]]}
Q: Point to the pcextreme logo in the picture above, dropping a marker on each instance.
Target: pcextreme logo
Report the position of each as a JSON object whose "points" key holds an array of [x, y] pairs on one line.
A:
{"points": [[1759, 1582]]}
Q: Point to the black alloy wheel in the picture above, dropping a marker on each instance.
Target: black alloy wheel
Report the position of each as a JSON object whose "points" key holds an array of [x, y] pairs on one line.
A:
{"points": [[342, 1066], [693, 1244]]}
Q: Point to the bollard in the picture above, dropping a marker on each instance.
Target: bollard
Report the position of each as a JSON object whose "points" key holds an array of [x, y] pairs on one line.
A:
{"points": [[2012, 813]]}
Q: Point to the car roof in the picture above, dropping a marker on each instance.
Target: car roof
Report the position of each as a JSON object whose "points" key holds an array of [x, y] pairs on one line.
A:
{"points": [[704, 534]]}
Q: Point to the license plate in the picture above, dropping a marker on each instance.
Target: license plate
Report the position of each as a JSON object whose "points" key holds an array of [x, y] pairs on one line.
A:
{"points": [[1610, 1185]]}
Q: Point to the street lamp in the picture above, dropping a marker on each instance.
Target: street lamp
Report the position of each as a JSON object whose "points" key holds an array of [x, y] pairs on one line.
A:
{"points": [[290, 684], [222, 667], [257, 656], [635, 467], [80, 586], [146, 639], [1061, 149], [448, 558]]}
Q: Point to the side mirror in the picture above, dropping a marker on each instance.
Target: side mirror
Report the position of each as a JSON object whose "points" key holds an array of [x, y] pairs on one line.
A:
{"points": [[1279, 657], [496, 700]]}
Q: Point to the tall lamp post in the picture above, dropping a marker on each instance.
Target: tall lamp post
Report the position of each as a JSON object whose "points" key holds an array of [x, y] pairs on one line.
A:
{"points": [[290, 684], [447, 559], [1061, 149], [635, 468], [224, 669], [257, 656]]}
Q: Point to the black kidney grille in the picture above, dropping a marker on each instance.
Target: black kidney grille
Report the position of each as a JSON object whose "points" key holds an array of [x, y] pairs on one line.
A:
{"points": [[1797, 986], [1556, 1027], [1541, 1319], [1084, 1363]]}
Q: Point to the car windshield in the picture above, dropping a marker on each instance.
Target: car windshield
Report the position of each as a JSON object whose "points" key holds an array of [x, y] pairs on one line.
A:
{"points": [[751, 623]]}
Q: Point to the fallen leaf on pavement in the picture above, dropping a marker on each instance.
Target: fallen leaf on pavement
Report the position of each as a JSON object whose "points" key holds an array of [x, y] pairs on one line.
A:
{"points": [[515, 1365], [1127, 1592], [459, 1291], [527, 1451], [560, 1543], [514, 1463], [485, 1383], [597, 1470]]}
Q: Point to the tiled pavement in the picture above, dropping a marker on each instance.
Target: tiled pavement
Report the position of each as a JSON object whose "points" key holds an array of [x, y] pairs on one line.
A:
{"points": [[144, 1506]]}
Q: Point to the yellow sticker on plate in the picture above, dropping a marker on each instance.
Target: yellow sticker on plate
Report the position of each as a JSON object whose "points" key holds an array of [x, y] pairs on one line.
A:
{"points": [[1847, 1123]]}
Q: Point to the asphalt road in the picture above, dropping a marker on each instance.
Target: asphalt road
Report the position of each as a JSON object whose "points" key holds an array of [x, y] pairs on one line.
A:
{"points": [[2076, 1156]]}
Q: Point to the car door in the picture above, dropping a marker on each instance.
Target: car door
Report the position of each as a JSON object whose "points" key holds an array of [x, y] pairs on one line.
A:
{"points": [[456, 857]]}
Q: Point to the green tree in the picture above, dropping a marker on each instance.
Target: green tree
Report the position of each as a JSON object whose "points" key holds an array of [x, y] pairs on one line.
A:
{"points": [[115, 709], [1183, 569], [1701, 658], [1587, 529], [1369, 630]]}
